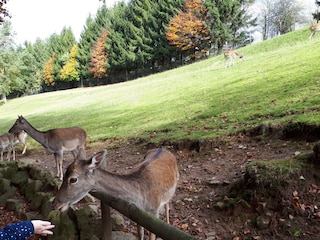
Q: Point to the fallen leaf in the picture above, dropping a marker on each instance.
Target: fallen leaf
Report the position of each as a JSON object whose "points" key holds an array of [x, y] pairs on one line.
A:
{"points": [[184, 226]]}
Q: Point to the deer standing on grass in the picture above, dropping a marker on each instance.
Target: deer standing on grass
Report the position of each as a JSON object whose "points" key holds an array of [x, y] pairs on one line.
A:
{"points": [[150, 185], [55, 141], [231, 55], [313, 29]]}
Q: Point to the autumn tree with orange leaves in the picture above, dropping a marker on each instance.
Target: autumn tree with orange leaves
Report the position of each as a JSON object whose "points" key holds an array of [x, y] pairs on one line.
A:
{"points": [[48, 71], [187, 30], [99, 57]]}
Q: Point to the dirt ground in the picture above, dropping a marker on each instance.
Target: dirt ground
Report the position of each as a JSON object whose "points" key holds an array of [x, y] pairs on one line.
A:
{"points": [[206, 177]]}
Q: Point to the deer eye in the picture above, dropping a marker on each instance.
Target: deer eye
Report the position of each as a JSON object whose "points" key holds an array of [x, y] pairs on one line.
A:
{"points": [[73, 180]]}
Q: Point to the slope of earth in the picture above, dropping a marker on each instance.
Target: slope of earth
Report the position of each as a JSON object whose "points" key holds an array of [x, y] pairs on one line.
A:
{"points": [[206, 178]]}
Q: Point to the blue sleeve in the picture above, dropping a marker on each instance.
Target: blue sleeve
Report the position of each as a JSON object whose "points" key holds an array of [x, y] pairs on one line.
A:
{"points": [[17, 231]]}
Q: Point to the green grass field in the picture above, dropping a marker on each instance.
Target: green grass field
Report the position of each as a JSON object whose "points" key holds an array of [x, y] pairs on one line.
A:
{"points": [[278, 83]]}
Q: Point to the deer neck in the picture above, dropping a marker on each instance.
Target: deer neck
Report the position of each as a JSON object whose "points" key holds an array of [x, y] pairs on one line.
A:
{"points": [[119, 186], [36, 134]]}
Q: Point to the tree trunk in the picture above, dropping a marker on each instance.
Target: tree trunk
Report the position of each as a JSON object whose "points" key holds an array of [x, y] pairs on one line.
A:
{"points": [[151, 223]]}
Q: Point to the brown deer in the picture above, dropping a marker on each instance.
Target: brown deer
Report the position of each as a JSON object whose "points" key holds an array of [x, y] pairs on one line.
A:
{"points": [[6, 142], [20, 137], [313, 29], [231, 55], [55, 141], [150, 185]]}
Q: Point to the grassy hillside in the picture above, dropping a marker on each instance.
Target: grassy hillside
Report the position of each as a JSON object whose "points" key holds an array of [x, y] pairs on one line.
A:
{"points": [[278, 82]]}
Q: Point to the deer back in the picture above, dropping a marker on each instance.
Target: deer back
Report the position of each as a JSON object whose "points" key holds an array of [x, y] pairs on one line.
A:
{"points": [[160, 175], [20, 137], [315, 27], [68, 137], [6, 140]]}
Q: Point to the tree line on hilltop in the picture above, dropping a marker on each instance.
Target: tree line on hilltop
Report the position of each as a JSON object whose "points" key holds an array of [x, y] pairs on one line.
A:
{"points": [[129, 40]]}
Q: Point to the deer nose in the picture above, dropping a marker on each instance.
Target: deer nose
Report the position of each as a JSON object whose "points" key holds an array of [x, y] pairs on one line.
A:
{"points": [[58, 205]]}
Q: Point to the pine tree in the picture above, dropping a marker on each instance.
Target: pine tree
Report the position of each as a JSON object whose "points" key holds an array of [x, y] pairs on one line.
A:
{"points": [[121, 43], [139, 16], [162, 12], [227, 20]]}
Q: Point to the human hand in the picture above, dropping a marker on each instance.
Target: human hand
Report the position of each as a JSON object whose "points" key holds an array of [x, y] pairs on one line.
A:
{"points": [[42, 227]]}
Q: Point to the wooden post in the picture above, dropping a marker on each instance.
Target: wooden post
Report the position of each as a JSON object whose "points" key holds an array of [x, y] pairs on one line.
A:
{"points": [[153, 224]]}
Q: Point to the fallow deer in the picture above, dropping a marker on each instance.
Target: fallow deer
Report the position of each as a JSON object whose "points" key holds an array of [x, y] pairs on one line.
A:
{"points": [[231, 55], [55, 141], [150, 185], [20, 137], [313, 29], [6, 142]]}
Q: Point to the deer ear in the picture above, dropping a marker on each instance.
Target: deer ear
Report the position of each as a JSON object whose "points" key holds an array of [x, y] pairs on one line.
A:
{"points": [[20, 118], [97, 159]]}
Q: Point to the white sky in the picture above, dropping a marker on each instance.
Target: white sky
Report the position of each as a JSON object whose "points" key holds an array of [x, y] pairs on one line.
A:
{"points": [[32, 19]]}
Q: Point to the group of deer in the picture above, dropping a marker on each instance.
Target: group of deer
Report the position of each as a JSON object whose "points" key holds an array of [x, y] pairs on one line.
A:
{"points": [[150, 185]]}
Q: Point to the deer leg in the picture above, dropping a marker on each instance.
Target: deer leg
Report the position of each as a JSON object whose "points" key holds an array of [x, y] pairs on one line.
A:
{"points": [[106, 222], [8, 153], [59, 158], [312, 35], [56, 160], [140, 232], [230, 61], [167, 212], [13, 153], [24, 148], [152, 236], [2, 154]]}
